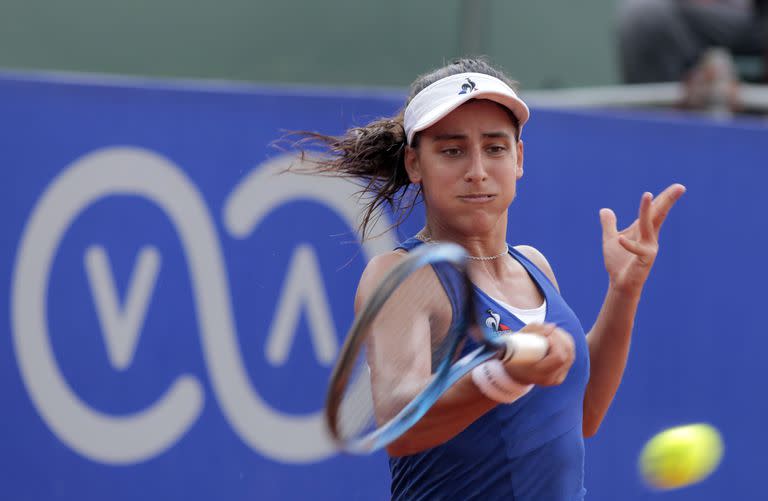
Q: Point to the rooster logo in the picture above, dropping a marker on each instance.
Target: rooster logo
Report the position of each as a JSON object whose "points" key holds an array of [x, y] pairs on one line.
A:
{"points": [[467, 87], [493, 321]]}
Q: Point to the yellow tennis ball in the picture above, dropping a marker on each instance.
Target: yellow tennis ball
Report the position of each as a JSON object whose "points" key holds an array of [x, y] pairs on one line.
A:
{"points": [[681, 456]]}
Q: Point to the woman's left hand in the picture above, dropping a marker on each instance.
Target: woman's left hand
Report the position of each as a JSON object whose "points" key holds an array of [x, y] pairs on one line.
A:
{"points": [[629, 254]]}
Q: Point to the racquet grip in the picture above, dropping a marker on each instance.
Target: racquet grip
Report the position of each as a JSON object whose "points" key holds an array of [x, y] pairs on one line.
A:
{"points": [[524, 348]]}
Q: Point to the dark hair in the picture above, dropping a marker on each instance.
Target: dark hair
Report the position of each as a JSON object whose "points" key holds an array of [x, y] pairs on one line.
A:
{"points": [[375, 153]]}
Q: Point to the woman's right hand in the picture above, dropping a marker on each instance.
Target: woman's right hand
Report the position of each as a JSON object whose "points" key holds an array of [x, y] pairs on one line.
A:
{"points": [[553, 368]]}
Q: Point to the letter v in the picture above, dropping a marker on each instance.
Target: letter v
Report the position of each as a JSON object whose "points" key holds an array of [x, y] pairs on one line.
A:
{"points": [[121, 328]]}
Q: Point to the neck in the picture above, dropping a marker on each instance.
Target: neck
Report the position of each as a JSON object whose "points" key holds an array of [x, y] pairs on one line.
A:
{"points": [[490, 245]]}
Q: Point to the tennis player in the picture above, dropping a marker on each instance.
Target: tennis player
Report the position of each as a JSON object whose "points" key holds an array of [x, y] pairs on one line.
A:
{"points": [[504, 431]]}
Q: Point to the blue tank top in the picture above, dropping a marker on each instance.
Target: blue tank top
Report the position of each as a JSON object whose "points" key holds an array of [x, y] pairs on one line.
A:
{"points": [[532, 449]]}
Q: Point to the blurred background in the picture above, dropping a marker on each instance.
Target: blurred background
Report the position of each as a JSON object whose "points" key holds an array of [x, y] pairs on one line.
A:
{"points": [[171, 308], [338, 42]]}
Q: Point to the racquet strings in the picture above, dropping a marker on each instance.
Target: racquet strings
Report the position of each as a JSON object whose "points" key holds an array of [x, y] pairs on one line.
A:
{"points": [[393, 362]]}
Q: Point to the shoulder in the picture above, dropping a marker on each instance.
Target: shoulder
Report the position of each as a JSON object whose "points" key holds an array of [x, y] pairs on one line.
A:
{"points": [[376, 269], [539, 260]]}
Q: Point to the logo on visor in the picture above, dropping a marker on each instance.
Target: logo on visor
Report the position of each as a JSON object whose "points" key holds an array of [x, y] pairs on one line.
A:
{"points": [[467, 87]]}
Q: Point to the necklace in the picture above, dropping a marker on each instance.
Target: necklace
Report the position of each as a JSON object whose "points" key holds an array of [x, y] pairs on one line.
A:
{"points": [[428, 240]]}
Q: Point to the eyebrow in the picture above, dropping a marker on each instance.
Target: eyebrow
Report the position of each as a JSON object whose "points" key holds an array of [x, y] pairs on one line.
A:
{"points": [[450, 137]]}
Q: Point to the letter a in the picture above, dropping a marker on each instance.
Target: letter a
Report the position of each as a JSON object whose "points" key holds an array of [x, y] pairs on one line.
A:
{"points": [[303, 287]]}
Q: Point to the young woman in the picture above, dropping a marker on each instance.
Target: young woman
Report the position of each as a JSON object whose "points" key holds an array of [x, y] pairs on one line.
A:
{"points": [[501, 432]]}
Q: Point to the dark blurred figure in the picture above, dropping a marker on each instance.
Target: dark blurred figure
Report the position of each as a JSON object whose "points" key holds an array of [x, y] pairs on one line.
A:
{"points": [[663, 40]]}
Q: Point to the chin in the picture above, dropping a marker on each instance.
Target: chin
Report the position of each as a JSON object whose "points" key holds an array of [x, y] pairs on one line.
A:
{"points": [[479, 223]]}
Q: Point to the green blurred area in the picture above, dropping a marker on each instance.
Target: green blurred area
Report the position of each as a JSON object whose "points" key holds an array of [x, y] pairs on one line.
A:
{"points": [[543, 44]]}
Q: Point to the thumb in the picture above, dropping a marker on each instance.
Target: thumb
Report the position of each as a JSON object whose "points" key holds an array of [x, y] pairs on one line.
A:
{"points": [[608, 222]]}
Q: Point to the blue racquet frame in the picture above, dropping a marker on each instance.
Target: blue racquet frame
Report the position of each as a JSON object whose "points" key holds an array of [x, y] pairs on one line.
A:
{"points": [[447, 371]]}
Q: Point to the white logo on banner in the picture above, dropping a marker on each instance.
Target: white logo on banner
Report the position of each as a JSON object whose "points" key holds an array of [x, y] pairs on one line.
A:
{"points": [[121, 332], [139, 436], [303, 286]]}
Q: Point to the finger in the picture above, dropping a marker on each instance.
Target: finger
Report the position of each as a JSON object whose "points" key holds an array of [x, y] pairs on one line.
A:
{"points": [[644, 252], [561, 351], [665, 201], [647, 230], [554, 368], [608, 222], [551, 370]]}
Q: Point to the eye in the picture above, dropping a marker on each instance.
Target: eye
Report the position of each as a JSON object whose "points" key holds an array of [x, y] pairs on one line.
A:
{"points": [[496, 149], [451, 151]]}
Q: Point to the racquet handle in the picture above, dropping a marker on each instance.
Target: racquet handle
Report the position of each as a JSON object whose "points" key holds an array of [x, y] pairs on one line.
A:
{"points": [[524, 348]]}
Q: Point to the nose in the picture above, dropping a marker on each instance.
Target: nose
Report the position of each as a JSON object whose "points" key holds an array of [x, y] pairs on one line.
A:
{"points": [[476, 170]]}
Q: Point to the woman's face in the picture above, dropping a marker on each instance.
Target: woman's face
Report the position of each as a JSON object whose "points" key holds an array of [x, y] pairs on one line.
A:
{"points": [[468, 165]]}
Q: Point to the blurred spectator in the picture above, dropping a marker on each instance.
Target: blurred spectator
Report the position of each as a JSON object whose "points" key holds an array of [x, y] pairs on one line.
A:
{"points": [[662, 40]]}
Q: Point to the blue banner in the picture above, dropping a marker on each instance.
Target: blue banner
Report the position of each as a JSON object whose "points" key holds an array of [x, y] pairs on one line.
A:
{"points": [[174, 300]]}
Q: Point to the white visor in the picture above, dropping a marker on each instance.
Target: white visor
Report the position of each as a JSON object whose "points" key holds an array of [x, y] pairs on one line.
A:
{"points": [[442, 97]]}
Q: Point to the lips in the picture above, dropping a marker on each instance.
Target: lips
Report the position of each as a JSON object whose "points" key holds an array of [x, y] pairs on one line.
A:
{"points": [[477, 197]]}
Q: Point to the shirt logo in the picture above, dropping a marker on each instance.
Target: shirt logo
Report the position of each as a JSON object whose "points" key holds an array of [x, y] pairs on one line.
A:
{"points": [[493, 321], [467, 87]]}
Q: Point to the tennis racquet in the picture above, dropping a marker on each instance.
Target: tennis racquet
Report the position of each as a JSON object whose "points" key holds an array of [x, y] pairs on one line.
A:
{"points": [[431, 277]]}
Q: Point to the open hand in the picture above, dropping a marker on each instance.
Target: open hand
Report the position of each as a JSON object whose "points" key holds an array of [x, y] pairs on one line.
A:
{"points": [[629, 254]]}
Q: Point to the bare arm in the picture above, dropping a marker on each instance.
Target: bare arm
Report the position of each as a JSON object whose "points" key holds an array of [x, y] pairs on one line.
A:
{"points": [[399, 357], [608, 343], [629, 256], [400, 364]]}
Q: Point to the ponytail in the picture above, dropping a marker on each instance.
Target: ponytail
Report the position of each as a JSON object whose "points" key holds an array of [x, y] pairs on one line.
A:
{"points": [[373, 154]]}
